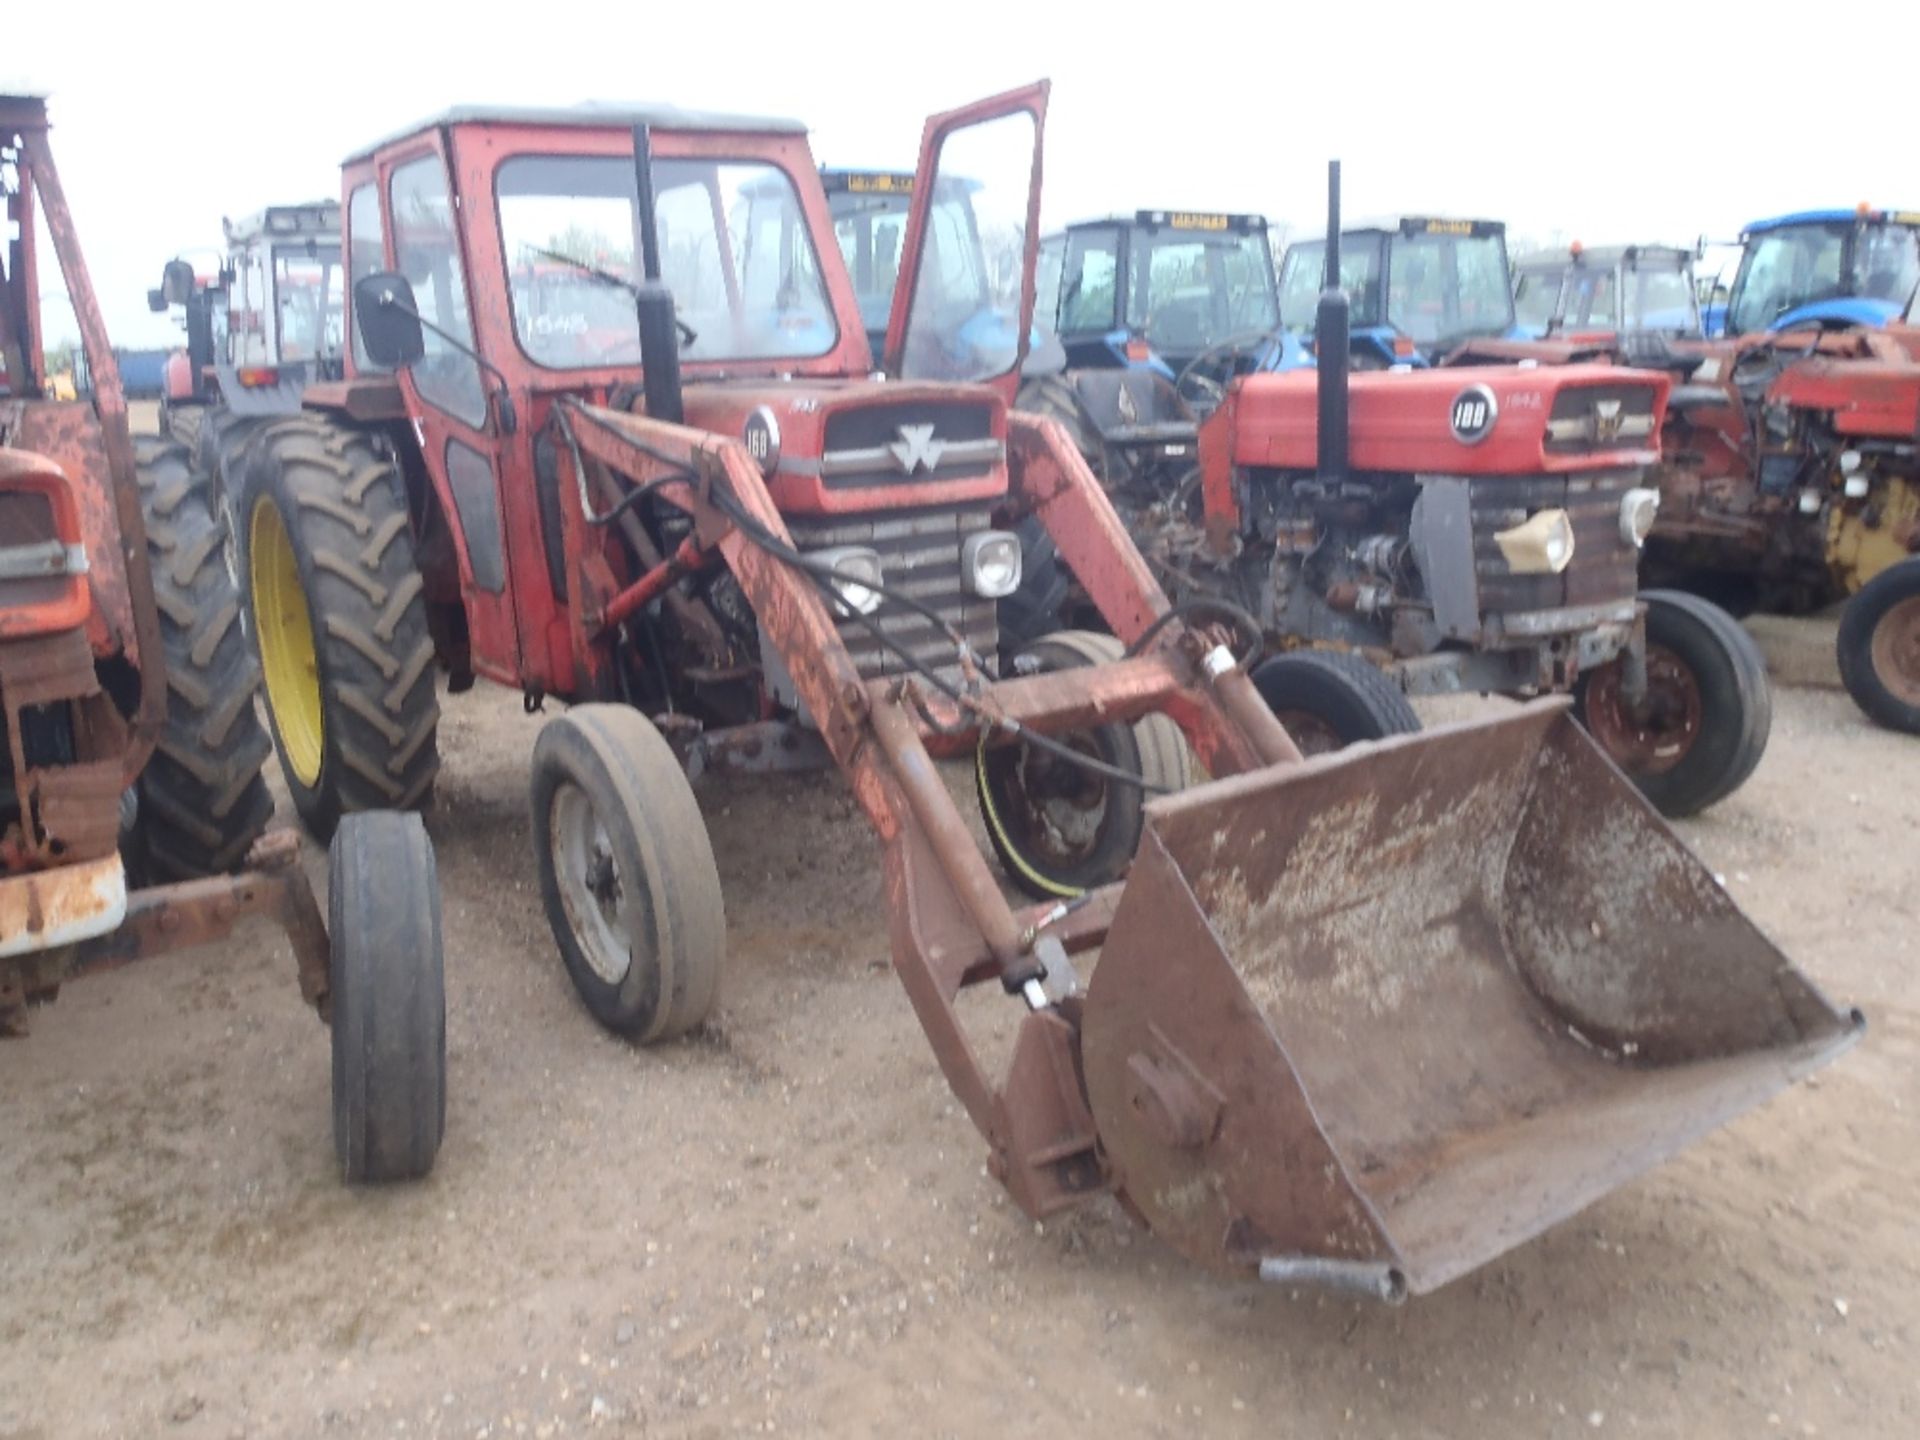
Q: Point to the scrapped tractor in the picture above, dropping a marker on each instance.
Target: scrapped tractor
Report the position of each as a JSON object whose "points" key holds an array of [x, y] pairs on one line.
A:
{"points": [[267, 324], [1826, 269], [1417, 287], [1367, 1020], [133, 811]]}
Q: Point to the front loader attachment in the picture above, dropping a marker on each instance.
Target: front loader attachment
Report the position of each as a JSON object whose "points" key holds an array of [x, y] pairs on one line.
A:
{"points": [[1374, 1019]]}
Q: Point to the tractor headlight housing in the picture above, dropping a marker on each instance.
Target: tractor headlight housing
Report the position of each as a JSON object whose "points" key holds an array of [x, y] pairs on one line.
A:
{"points": [[990, 563], [1638, 507], [1542, 544], [856, 573]]}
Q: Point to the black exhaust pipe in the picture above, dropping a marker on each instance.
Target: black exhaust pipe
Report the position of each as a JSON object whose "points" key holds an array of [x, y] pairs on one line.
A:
{"points": [[652, 300], [1331, 342]]}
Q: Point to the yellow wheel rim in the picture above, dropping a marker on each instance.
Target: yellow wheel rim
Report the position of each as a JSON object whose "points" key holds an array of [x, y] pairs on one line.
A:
{"points": [[284, 628]]}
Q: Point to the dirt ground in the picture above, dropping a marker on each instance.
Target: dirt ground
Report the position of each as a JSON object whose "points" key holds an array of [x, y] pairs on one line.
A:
{"points": [[785, 1224]]}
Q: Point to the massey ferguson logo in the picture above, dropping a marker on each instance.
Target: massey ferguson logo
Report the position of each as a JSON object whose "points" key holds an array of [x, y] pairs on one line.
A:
{"points": [[1474, 411], [1606, 421], [916, 449]]}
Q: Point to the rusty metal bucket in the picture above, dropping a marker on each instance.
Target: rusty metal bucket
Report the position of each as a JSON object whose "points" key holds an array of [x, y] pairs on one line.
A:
{"points": [[1374, 1019]]}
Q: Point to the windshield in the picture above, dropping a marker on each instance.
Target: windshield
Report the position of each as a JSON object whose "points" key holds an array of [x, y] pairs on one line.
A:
{"points": [[310, 296], [1444, 288], [1305, 266], [1794, 265], [871, 229], [1189, 292], [734, 249], [1536, 297], [1659, 299]]}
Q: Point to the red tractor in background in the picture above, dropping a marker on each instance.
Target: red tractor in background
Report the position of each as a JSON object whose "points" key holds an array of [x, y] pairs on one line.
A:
{"points": [[1788, 475], [133, 811], [723, 541]]}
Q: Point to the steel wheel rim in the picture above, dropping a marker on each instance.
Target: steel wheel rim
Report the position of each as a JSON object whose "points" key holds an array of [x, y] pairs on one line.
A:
{"points": [[284, 633], [1057, 825], [1895, 650], [1663, 734], [593, 892]]}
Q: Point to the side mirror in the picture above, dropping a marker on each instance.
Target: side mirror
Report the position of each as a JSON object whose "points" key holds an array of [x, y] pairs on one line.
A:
{"points": [[176, 284], [387, 319], [157, 301]]}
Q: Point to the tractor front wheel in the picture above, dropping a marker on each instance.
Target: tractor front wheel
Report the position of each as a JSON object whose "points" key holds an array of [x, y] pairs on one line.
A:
{"points": [[1060, 828], [1329, 699], [387, 998], [1879, 647], [338, 612], [1702, 726], [627, 873]]}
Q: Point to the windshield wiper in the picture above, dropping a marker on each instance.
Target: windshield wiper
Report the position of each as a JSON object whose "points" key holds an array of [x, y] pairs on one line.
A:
{"points": [[688, 335]]}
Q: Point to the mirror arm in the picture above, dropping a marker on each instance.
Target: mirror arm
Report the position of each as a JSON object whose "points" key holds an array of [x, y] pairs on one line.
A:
{"points": [[509, 420]]}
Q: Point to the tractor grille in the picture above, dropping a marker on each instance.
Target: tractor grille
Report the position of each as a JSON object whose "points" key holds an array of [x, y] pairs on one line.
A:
{"points": [[1605, 566], [1587, 418], [919, 556], [874, 445]]}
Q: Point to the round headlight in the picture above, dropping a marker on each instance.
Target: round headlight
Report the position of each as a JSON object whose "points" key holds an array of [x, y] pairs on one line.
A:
{"points": [[855, 569], [1542, 544], [1638, 507]]}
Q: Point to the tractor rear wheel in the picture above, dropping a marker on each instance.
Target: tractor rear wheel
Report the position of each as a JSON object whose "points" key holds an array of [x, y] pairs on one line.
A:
{"points": [[627, 873], [1704, 723], [386, 998], [1879, 647], [1061, 829], [1329, 699], [337, 608], [202, 799]]}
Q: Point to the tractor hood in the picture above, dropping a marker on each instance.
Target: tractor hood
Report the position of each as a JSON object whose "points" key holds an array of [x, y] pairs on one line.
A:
{"points": [[1448, 421], [835, 447]]}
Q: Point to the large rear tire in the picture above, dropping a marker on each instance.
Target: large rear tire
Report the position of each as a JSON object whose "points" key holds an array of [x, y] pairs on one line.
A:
{"points": [[336, 604], [627, 873], [1879, 647], [387, 993], [1059, 829], [1329, 699], [1708, 713], [203, 800]]}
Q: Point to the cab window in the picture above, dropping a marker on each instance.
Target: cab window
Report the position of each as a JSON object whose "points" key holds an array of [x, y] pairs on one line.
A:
{"points": [[366, 254], [427, 251]]}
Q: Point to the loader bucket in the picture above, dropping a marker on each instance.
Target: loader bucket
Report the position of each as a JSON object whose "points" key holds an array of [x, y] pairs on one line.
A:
{"points": [[1376, 1018]]}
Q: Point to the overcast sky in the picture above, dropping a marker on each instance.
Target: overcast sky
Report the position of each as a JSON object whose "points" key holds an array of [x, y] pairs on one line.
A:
{"points": [[1601, 123]]}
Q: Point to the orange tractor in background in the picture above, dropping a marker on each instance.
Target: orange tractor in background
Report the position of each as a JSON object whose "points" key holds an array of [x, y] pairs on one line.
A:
{"points": [[133, 810], [1364, 1020]]}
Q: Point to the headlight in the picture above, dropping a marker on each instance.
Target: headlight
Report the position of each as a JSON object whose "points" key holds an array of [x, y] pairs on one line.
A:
{"points": [[1540, 545], [990, 563], [1637, 510], [852, 565]]}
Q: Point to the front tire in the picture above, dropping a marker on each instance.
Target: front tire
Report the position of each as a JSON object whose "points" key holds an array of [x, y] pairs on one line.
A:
{"points": [[202, 798], [387, 998], [1329, 699], [627, 873], [1704, 724], [1879, 647], [337, 608]]}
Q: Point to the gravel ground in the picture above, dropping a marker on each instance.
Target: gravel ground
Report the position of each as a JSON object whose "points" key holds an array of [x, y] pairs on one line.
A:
{"points": [[785, 1224]]}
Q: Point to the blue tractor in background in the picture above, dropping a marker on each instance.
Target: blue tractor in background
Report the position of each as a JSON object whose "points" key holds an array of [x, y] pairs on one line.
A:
{"points": [[1419, 286], [1827, 269]]}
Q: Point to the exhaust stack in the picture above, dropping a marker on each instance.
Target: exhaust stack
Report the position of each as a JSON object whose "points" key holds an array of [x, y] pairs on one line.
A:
{"points": [[1331, 345], [652, 300]]}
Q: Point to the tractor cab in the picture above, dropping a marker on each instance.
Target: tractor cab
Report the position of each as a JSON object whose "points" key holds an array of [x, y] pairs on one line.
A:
{"points": [[1638, 290], [1419, 287], [1161, 288], [1831, 269]]}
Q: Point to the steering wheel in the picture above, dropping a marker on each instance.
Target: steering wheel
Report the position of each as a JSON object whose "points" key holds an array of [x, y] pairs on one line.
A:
{"points": [[1196, 383]]}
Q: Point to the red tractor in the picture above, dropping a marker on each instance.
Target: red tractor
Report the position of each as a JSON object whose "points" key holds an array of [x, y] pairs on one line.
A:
{"points": [[1788, 475], [133, 811], [1347, 1013]]}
